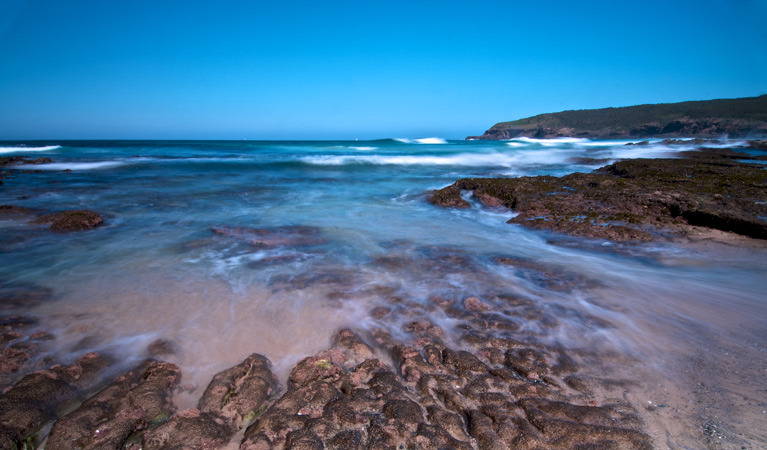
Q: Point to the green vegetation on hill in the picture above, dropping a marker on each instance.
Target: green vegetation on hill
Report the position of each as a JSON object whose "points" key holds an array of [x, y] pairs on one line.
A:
{"points": [[752, 109], [739, 116]]}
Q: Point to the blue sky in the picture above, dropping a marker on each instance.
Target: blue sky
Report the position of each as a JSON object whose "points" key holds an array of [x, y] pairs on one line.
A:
{"points": [[98, 69]]}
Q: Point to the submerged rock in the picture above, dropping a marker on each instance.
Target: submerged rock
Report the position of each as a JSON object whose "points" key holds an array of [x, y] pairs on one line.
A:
{"points": [[75, 220], [15, 211], [13, 160], [288, 236]]}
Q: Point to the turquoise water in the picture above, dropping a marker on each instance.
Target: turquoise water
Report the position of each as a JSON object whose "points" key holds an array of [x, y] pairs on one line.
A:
{"points": [[344, 227]]}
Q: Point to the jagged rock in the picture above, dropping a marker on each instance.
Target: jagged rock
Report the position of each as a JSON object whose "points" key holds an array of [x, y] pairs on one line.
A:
{"points": [[634, 200], [441, 398], [233, 399], [240, 392], [188, 429], [37, 399], [135, 401]]}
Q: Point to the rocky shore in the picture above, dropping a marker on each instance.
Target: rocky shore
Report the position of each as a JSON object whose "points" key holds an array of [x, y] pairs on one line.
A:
{"points": [[633, 200], [438, 372], [492, 392], [62, 221]]}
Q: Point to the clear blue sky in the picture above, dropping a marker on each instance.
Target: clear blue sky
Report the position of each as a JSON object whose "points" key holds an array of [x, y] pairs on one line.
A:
{"points": [[358, 69]]}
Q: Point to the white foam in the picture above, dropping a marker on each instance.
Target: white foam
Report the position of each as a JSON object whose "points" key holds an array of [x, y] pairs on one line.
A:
{"points": [[365, 148], [495, 159], [28, 149], [550, 142], [79, 165], [429, 140], [606, 143]]}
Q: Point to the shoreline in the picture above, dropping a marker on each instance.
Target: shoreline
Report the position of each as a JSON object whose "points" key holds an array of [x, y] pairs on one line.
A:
{"points": [[452, 347]]}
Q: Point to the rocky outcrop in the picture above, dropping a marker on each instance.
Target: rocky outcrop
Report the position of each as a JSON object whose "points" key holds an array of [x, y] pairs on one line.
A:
{"points": [[633, 200], [38, 398], [74, 220], [502, 394], [683, 127], [234, 398], [491, 391], [14, 160], [135, 401], [64, 221]]}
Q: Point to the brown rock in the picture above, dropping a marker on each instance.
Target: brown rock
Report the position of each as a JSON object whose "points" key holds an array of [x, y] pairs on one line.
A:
{"points": [[241, 392], [75, 220], [34, 402], [134, 401]]}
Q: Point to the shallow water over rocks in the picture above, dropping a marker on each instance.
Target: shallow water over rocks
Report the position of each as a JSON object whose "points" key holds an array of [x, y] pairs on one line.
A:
{"points": [[217, 251]]}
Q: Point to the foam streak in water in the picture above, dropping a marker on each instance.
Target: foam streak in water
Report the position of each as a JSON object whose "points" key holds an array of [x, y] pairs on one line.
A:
{"points": [[75, 166], [28, 149]]}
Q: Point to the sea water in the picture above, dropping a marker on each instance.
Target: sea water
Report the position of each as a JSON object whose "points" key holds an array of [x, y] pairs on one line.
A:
{"points": [[353, 229]]}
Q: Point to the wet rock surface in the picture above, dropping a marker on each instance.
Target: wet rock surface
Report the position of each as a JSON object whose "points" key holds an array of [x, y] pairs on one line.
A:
{"points": [[134, 401], [74, 220], [25, 160], [633, 200], [39, 398], [496, 394], [366, 391], [22, 343], [64, 221]]}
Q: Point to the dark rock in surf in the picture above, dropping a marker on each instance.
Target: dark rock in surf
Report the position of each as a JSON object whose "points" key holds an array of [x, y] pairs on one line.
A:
{"points": [[162, 347], [634, 200], [288, 236], [12, 210], [75, 220], [36, 400], [20, 346], [12, 160], [232, 400]]}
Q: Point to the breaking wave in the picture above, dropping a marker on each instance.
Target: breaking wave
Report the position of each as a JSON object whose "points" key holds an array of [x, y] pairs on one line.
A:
{"points": [[429, 140], [80, 165], [28, 149], [461, 159]]}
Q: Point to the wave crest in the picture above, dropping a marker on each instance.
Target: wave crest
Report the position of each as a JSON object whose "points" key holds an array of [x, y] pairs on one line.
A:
{"points": [[428, 140], [80, 165], [28, 149]]}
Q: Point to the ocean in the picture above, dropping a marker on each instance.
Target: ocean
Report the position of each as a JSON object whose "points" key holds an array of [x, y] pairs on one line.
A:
{"points": [[225, 248]]}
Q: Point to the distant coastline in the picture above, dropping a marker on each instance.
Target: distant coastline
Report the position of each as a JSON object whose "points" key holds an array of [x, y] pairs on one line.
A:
{"points": [[736, 118]]}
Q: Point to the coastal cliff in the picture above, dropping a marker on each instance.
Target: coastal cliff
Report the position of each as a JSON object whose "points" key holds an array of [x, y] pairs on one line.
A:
{"points": [[743, 117]]}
